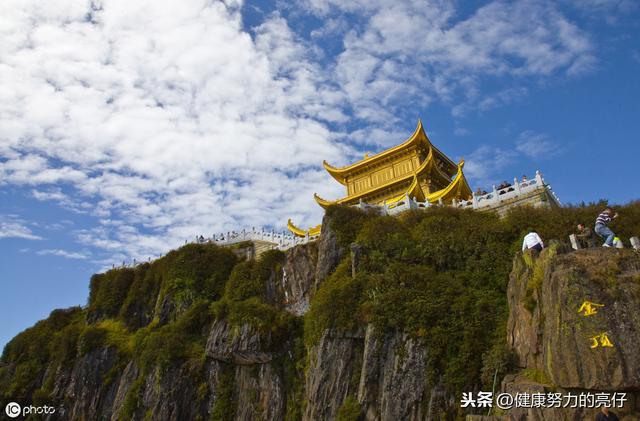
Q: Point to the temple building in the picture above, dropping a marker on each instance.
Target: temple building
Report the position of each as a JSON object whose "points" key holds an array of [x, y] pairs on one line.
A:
{"points": [[415, 174], [413, 170]]}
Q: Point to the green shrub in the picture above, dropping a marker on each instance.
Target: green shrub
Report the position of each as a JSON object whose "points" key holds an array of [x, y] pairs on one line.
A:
{"points": [[195, 271], [132, 400], [225, 404], [335, 305], [346, 222], [176, 342], [244, 282], [107, 292], [92, 338], [207, 265], [349, 410], [26, 357]]}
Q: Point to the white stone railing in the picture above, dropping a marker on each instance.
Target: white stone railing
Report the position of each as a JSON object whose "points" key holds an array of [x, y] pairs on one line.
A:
{"points": [[488, 200], [281, 240], [284, 241]]}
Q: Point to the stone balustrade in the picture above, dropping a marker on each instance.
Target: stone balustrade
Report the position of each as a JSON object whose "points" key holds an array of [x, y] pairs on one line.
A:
{"points": [[488, 200], [284, 241], [576, 244]]}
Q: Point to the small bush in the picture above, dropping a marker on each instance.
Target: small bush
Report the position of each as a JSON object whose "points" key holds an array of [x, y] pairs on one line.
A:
{"points": [[349, 410], [182, 340], [108, 291], [132, 400], [224, 406], [92, 338], [26, 357]]}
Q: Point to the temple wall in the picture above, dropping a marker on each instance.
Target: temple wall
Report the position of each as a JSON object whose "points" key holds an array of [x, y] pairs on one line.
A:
{"points": [[537, 198]]}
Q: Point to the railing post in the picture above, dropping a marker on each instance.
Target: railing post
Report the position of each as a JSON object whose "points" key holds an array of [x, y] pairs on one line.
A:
{"points": [[635, 243], [516, 184], [539, 178], [475, 201], [574, 242]]}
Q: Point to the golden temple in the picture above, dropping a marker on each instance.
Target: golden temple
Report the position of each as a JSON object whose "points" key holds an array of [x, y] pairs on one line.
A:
{"points": [[415, 169]]}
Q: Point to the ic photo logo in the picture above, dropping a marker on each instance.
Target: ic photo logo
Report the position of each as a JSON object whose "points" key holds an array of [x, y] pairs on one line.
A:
{"points": [[13, 410]]}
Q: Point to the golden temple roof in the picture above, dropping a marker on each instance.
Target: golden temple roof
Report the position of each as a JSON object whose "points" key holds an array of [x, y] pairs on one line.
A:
{"points": [[418, 138], [303, 233], [415, 169]]}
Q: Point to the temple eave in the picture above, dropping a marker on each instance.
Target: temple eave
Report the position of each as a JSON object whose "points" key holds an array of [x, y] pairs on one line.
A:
{"points": [[313, 231], [339, 173]]}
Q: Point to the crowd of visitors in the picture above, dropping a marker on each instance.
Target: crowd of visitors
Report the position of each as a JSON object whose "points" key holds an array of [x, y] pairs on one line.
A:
{"points": [[503, 187], [585, 236]]}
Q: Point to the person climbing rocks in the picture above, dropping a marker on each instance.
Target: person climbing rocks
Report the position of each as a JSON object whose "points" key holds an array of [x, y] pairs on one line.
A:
{"points": [[602, 226], [585, 236], [606, 415], [532, 241]]}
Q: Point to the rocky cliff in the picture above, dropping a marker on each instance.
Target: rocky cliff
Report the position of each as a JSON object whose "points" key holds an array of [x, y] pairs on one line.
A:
{"points": [[427, 310], [574, 327]]}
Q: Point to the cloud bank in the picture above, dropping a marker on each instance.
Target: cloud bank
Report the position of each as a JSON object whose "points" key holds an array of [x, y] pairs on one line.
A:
{"points": [[167, 119]]}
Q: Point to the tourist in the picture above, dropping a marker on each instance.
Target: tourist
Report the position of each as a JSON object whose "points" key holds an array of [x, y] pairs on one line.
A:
{"points": [[502, 186], [606, 415], [524, 178], [585, 236], [532, 241], [602, 228], [479, 192]]}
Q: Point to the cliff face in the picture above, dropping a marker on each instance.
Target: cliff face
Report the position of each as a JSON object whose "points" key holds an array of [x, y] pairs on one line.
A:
{"points": [[574, 326], [202, 335], [240, 370]]}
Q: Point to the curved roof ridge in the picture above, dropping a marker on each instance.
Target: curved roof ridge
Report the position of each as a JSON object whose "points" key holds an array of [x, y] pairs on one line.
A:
{"points": [[459, 182], [338, 173]]}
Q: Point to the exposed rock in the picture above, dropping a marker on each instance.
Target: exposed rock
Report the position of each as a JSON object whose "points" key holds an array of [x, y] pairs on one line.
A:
{"points": [[329, 252], [334, 370], [168, 309], [560, 307], [385, 373], [260, 394], [129, 375], [557, 338], [298, 277], [240, 346], [393, 378], [92, 398], [172, 394]]}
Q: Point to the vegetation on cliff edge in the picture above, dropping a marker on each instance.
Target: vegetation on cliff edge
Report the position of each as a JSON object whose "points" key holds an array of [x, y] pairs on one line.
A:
{"points": [[440, 275]]}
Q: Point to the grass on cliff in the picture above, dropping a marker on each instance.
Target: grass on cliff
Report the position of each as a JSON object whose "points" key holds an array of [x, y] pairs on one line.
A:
{"points": [[123, 314], [441, 275]]}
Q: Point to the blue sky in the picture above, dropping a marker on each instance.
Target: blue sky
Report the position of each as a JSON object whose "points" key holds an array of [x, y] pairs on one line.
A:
{"points": [[128, 127]]}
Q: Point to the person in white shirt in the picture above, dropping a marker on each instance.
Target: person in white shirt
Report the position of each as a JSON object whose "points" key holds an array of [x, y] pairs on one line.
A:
{"points": [[532, 241]]}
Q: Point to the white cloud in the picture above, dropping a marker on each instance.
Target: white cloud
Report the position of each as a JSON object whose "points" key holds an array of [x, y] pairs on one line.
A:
{"points": [[63, 253], [11, 226], [536, 145], [167, 119], [406, 54], [484, 165], [167, 116]]}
